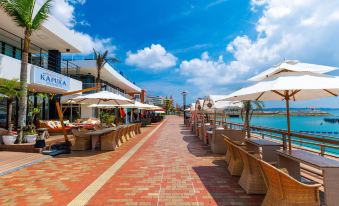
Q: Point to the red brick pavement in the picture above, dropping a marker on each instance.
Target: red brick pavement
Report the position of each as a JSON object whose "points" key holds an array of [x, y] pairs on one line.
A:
{"points": [[173, 168], [57, 181]]}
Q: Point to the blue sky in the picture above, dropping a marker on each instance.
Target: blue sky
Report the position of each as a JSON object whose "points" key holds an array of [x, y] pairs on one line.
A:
{"points": [[206, 47]]}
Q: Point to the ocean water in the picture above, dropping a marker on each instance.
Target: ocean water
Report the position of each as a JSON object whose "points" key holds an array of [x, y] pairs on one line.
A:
{"points": [[315, 124]]}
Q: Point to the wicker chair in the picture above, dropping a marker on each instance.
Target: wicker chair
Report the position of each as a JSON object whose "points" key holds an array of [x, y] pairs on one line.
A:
{"points": [[124, 134], [228, 150], [235, 166], [130, 131], [118, 137], [82, 141], [108, 142], [251, 179], [217, 142], [139, 128], [283, 190]]}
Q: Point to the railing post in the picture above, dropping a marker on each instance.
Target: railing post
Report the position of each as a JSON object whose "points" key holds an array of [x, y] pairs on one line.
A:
{"points": [[262, 136], [284, 141], [322, 147]]}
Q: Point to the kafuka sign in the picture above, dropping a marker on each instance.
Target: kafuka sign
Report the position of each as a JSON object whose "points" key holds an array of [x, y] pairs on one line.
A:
{"points": [[48, 78]]}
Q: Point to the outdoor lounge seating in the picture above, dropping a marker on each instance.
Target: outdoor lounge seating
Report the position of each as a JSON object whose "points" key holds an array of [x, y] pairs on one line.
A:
{"points": [[54, 126], [283, 190], [251, 179], [82, 140]]}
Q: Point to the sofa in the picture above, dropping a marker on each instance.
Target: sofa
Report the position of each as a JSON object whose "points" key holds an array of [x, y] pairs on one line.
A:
{"points": [[54, 126]]}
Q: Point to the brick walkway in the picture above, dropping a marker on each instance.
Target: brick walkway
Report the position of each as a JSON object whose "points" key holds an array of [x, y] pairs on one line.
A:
{"points": [[59, 180], [174, 168], [171, 168]]}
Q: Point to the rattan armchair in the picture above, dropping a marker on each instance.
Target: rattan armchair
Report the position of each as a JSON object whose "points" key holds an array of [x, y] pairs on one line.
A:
{"points": [[283, 190], [251, 179], [108, 141], [118, 137], [235, 166], [82, 140], [228, 151]]}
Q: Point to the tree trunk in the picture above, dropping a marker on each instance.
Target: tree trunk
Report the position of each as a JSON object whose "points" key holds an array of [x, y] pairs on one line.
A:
{"points": [[23, 86], [98, 80], [247, 120], [9, 115]]}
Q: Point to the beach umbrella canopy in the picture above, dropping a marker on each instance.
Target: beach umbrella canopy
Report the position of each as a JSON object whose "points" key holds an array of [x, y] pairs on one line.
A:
{"points": [[292, 66], [103, 97], [292, 86], [135, 105], [212, 104]]}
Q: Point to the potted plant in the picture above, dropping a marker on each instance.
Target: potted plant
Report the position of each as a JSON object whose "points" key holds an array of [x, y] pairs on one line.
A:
{"points": [[30, 134], [107, 118], [9, 90]]}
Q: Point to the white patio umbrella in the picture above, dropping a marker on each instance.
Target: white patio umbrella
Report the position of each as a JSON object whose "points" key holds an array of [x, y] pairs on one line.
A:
{"points": [[135, 105], [289, 86], [103, 97], [293, 66], [215, 103]]}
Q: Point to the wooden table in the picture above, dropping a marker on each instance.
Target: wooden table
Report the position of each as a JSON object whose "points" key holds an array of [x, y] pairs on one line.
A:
{"points": [[95, 135], [291, 159], [268, 148]]}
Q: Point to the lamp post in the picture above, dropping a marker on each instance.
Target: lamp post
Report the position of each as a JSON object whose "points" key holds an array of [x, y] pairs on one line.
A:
{"points": [[184, 94]]}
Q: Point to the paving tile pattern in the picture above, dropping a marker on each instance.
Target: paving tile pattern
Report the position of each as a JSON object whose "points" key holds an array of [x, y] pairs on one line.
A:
{"points": [[174, 168], [57, 181]]}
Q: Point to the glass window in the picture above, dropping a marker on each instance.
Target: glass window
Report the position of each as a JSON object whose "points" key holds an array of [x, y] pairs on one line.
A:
{"points": [[9, 50]]}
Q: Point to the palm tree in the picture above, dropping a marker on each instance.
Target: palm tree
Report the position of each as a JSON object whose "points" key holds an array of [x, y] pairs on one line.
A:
{"points": [[10, 89], [23, 13], [101, 60], [247, 112]]}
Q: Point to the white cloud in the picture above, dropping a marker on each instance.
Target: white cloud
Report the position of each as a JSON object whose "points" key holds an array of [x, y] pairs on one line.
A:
{"points": [[207, 74], [99, 44], [64, 11], [154, 57], [304, 30]]}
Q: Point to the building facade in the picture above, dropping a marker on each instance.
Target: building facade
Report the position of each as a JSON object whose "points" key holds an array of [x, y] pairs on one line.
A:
{"points": [[156, 100], [45, 63], [111, 80]]}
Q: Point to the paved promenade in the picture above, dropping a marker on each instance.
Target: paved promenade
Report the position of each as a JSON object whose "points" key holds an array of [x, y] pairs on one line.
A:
{"points": [[166, 165]]}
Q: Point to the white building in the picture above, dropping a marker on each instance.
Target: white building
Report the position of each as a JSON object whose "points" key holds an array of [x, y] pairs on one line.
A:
{"points": [[111, 80], [44, 69]]}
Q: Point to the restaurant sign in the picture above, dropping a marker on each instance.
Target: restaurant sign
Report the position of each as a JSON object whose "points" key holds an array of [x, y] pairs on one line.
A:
{"points": [[48, 78]]}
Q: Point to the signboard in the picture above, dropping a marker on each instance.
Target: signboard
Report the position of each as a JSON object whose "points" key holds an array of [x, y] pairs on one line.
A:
{"points": [[48, 78]]}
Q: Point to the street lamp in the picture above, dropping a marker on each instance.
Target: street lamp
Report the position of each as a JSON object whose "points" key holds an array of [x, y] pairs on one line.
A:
{"points": [[184, 94]]}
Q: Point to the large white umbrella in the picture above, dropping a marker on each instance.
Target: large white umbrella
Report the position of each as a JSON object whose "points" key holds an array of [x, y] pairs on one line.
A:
{"points": [[103, 97], [292, 86], [135, 105], [215, 103], [292, 66]]}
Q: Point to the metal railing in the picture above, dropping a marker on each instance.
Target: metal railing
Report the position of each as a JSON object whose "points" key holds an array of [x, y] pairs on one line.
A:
{"points": [[12, 46], [322, 145]]}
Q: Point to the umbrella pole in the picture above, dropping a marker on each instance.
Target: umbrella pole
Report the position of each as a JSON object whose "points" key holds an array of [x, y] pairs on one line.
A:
{"points": [[287, 99]]}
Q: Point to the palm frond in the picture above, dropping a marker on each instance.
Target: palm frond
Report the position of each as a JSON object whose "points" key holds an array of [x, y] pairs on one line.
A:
{"points": [[42, 15], [22, 11], [10, 88]]}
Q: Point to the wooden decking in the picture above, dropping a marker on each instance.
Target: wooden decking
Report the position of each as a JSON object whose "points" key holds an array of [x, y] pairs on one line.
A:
{"points": [[12, 161]]}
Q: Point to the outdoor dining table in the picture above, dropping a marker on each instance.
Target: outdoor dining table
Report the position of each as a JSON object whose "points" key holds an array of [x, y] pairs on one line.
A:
{"points": [[291, 159], [268, 148], [95, 135]]}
